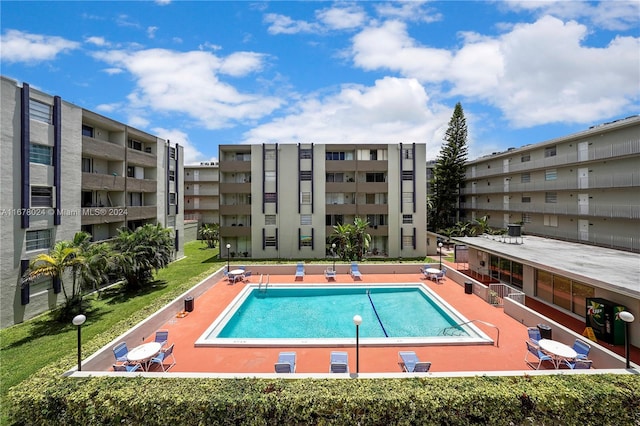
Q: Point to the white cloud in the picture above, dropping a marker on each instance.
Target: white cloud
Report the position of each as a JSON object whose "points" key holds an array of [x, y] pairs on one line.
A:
{"points": [[189, 83], [113, 71], [98, 41], [535, 74], [408, 11], [163, 2], [191, 153], [151, 31], [342, 18], [281, 24], [19, 46]]}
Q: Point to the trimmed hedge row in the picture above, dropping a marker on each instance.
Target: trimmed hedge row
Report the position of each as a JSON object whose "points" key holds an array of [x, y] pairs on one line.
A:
{"points": [[542, 400]]}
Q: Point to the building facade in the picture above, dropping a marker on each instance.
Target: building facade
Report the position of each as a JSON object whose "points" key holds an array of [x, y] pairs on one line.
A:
{"points": [[202, 192], [283, 200], [584, 187], [68, 169]]}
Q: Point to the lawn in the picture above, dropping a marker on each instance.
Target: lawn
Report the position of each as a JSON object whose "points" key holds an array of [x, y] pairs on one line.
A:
{"points": [[25, 348]]}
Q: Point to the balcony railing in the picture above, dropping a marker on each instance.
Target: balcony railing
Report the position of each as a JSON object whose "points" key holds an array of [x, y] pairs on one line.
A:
{"points": [[604, 210]]}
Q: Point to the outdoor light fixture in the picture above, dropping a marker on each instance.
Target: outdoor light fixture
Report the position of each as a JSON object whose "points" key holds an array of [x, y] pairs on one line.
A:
{"points": [[440, 246], [228, 256], [357, 320], [333, 251], [78, 320], [628, 318]]}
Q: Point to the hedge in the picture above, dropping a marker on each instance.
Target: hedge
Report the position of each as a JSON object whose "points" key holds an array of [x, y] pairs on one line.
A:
{"points": [[52, 399]]}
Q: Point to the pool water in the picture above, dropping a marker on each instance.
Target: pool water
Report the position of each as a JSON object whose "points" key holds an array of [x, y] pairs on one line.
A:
{"points": [[318, 315]]}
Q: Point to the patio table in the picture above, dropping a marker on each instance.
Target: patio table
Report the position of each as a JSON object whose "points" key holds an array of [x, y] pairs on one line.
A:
{"points": [[557, 350], [142, 354]]}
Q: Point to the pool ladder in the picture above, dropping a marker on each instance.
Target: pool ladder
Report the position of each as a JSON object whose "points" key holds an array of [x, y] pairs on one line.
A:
{"points": [[457, 331], [266, 284]]}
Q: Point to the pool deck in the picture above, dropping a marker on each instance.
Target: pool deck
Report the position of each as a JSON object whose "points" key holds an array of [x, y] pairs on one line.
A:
{"points": [[509, 356]]}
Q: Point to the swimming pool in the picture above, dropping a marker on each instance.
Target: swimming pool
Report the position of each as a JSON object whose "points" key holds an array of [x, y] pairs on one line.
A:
{"points": [[322, 315]]}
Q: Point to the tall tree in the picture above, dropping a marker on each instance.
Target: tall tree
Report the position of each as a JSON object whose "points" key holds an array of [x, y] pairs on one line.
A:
{"points": [[449, 171]]}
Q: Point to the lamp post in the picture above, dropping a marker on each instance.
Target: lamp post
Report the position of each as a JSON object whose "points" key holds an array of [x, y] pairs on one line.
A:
{"points": [[440, 246], [357, 320], [628, 318], [333, 252], [78, 320], [228, 255]]}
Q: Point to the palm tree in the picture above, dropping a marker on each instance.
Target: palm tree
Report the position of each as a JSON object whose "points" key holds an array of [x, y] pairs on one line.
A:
{"points": [[352, 240], [210, 232], [362, 239]]}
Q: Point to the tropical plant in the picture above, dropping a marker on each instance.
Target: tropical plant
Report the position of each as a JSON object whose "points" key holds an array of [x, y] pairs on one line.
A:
{"points": [[351, 240], [482, 225], [210, 233], [140, 252]]}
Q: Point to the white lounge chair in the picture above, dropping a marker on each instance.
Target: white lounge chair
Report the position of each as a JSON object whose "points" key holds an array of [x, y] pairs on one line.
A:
{"points": [[286, 362], [355, 272], [339, 362]]}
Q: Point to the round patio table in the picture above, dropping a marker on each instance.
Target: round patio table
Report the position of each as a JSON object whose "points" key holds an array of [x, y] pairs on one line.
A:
{"points": [[144, 353]]}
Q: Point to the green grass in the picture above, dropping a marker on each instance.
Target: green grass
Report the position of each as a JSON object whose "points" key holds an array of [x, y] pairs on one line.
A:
{"points": [[26, 348]]}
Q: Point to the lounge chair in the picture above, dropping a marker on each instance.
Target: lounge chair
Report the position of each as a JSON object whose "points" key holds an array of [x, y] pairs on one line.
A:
{"points": [[339, 362], [534, 350], [578, 364], [225, 271], [409, 362], [582, 349], [355, 272], [129, 368], [162, 356], [534, 335], [299, 271], [162, 336], [120, 351], [286, 362], [330, 274]]}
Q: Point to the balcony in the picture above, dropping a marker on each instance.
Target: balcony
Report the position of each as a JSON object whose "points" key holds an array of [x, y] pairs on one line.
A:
{"points": [[351, 209], [141, 185], [139, 158], [344, 187], [373, 208], [238, 188], [99, 215], [593, 210], [340, 165], [235, 231], [142, 212], [373, 166], [101, 149], [102, 182], [231, 166], [235, 209]]}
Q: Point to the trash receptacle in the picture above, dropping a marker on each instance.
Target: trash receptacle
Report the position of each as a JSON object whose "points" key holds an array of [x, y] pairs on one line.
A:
{"points": [[545, 331], [188, 304], [468, 287]]}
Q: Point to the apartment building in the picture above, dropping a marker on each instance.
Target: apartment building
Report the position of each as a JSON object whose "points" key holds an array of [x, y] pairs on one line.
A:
{"points": [[583, 187], [283, 200], [68, 169], [202, 192]]}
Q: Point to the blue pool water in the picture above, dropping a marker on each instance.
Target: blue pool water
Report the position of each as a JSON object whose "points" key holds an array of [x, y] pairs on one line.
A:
{"points": [[323, 315]]}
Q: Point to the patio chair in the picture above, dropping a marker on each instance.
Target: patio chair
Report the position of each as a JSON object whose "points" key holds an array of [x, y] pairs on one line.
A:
{"points": [[120, 351], [582, 349], [129, 368], [409, 362], [162, 356], [534, 350], [286, 362], [246, 275], [355, 272], [578, 364], [534, 335], [438, 277], [339, 362], [330, 274], [225, 271], [299, 271], [162, 336]]}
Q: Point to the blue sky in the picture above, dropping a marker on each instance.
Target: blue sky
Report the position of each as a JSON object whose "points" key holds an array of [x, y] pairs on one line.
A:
{"points": [[204, 73]]}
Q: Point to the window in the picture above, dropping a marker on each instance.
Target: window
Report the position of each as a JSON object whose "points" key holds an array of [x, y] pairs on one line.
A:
{"points": [[305, 153], [172, 175], [526, 198], [270, 241], [407, 197], [306, 241], [550, 151], [525, 158], [407, 241], [551, 220], [551, 174], [335, 177], [269, 176], [305, 219], [407, 175], [37, 240], [39, 111], [131, 171], [373, 154], [41, 196], [270, 197], [407, 154], [270, 219], [172, 198], [305, 198], [329, 155], [134, 144], [306, 175], [334, 219], [407, 219], [525, 177], [270, 154], [87, 131], [86, 165], [135, 199], [526, 217], [551, 197], [172, 153], [40, 154], [375, 177]]}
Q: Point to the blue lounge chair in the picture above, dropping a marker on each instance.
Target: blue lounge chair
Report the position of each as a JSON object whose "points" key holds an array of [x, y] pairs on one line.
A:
{"points": [[330, 274], [225, 271], [534, 335], [355, 272], [300, 271], [339, 362], [286, 362], [120, 351], [582, 349], [129, 368], [162, 356], [534, 350], [162, 336], [409, 362], [578, 364]]}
